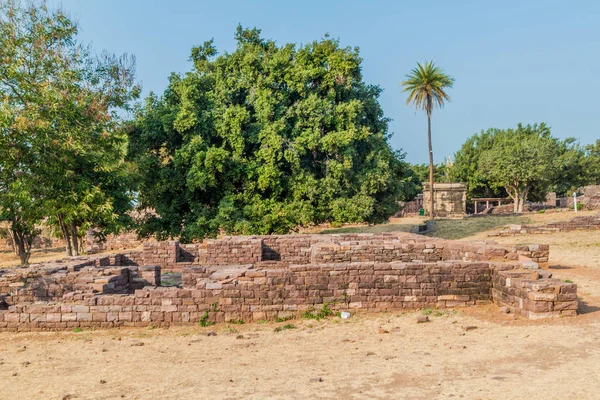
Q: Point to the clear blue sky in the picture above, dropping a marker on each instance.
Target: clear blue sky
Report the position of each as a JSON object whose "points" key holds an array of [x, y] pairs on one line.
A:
{"points": [[513, 61]]}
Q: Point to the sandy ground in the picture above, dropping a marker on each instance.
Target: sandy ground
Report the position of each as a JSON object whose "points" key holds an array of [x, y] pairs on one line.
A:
{"points": [[473, 353]]}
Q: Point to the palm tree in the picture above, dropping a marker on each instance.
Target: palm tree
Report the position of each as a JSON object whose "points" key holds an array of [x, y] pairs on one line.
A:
{"points": [[426, 85]]}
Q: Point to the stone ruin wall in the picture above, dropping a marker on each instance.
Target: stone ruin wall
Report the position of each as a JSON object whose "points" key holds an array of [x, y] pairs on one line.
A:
{"points": [[590, 198], [265, 277], [587, 223], [450, 199]]}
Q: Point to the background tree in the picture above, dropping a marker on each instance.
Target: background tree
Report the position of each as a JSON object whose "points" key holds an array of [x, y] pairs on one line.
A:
{"points": [[570, 160], [592, 163], [571, 171], [520, 160], [264, 140], [427, 86], [60, 107], [466, 166], [441, 173]]}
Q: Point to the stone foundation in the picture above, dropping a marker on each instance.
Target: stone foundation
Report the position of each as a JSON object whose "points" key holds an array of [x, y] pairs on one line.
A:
{"points": [[265, 277], [586, 223]]}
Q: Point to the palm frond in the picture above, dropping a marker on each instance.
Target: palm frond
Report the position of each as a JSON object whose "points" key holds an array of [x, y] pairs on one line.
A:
{"points": [[426, 86]]}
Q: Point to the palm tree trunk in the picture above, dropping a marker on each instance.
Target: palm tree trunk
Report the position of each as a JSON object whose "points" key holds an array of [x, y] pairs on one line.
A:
{"points": [[432, 202]]}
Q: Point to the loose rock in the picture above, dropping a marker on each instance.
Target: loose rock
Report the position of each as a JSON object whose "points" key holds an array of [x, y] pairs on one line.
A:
{"points": [[422, 319]]}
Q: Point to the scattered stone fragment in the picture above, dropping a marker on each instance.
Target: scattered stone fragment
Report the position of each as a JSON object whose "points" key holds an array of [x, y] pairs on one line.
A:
{"points": [[370, 353], [422, 319], [319, 379], [505, 310], [14, 374], [211, 334], [383, 331], [469, 328], [239, 337], [102, 381], [139, 344]]}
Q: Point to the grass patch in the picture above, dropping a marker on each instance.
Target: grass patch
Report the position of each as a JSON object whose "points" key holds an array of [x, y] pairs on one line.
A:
{"points": [[204, 321], [283, 319], [461, 228], [371, 229], [285, 327], [323, 313]]}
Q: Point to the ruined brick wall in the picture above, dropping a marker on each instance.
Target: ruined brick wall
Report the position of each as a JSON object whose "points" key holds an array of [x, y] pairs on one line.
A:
{"points": [[591, 200], [123, 241], [354, 271], [526, 294], [450, 199], [76, 281], [588, 223], [304, 249]]}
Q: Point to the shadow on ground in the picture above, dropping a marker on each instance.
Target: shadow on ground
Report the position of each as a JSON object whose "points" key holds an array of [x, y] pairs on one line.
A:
{"points": [[586, 308]]}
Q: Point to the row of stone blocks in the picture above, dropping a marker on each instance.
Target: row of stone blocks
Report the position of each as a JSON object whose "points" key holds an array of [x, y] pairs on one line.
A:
{"points": [[525, 293], [319, 249], [588, 223], [269, 294]]}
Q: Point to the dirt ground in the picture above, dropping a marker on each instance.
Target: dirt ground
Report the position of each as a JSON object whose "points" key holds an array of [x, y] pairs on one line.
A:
{"points": [[473, 353]]}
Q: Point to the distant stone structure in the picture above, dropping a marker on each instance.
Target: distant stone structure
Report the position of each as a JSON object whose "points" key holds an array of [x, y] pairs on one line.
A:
{"points": [[450, 199]]}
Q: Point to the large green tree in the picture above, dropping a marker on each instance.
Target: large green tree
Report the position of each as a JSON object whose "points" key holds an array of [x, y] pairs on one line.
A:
{"points": [[521, 160], [264, 140], [466, 165], [59, 123], [571, 166], [426, 86]]}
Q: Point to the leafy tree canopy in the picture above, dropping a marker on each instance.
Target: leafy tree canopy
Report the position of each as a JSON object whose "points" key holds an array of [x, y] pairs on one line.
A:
{"points": [[264, 140], [520, 160], [441, 173], [61, 149], [572, 165]]}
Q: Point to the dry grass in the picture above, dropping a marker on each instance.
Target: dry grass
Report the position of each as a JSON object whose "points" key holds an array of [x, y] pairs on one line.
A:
{"points": [[470, 226], [8, 259], [394, 225], [461, 228]]}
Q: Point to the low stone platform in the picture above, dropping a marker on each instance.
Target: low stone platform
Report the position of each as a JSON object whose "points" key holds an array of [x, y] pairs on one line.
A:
{"points": [[585, 223]]}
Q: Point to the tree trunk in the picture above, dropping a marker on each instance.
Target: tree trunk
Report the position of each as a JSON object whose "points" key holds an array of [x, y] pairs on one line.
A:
{"points": [[13, 242], [516, 200], [432, 200], [66, 235], [23, 248], [523, 198], [75, 239]]}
